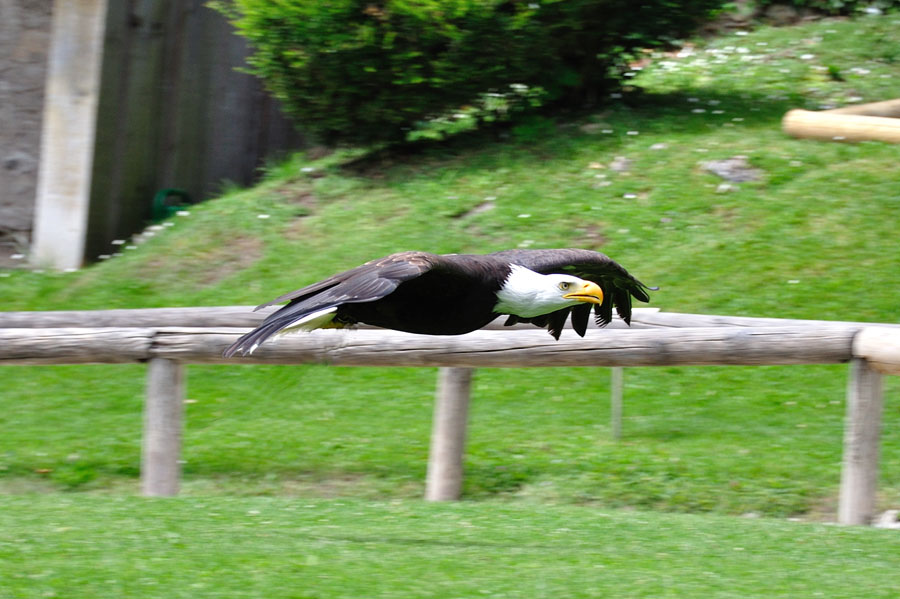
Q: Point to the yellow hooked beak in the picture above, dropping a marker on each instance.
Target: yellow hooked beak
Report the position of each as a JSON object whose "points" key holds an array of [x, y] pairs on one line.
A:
{"points": [[589, 292]]}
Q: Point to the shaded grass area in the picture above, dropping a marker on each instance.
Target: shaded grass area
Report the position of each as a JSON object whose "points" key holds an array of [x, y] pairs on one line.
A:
{"points": [[79, 546], [814, 237]]}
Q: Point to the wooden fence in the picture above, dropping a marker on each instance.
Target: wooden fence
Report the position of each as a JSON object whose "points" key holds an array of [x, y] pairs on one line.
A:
{"points": [[127, 336]]}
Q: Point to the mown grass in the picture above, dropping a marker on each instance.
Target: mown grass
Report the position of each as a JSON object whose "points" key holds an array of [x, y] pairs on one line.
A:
{"points": [[276, 547], [814, 237]]}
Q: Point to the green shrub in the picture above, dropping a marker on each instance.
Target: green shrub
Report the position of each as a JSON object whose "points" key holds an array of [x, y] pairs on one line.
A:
{"points": [[363, 71]]}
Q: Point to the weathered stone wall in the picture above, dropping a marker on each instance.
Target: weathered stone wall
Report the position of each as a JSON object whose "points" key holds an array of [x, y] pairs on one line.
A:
{"points": [[24, 39]]}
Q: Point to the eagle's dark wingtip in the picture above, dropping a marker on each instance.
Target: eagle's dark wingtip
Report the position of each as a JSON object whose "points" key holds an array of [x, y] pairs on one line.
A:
{"points": [[232, 350]]}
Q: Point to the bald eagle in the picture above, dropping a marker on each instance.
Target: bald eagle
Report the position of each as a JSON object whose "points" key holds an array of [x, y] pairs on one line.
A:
{"points": [[452, 294]]}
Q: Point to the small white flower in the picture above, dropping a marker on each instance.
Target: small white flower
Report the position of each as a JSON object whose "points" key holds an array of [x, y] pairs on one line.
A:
{"points": [[183, 213], [524, 215], [262, 216]]}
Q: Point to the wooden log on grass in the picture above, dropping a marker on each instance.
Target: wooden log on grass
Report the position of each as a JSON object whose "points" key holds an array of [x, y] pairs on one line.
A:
{"points": [[888, 108], [841, 127]]}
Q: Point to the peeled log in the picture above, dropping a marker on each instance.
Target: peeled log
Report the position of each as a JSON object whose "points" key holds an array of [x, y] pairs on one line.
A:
{"points": [[75, 346], [889, 108], [841, 127], [518, 349], [880, 347]]}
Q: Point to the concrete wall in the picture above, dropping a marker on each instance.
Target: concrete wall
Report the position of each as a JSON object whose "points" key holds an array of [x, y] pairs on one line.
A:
{"points": [[171, 111], [174, 113], [24, 39]]}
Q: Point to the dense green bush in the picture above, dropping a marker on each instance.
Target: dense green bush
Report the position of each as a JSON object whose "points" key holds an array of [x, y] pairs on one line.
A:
{"points": [[364, 70]]}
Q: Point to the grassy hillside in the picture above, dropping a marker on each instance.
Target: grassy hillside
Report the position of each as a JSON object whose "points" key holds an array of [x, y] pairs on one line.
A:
{"points": [[814, 237]]}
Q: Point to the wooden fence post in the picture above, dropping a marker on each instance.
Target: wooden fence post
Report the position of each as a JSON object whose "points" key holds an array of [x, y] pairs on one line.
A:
{"points": [[163, 416], [859, 474], [615, 401], [448, 435]]}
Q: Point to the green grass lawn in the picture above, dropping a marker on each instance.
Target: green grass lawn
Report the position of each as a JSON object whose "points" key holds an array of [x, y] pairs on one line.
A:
{"points": [[79, 546], [814, 237]]}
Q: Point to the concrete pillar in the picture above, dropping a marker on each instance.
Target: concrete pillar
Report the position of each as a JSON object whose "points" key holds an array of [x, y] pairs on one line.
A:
{"points": [[67, 138]]}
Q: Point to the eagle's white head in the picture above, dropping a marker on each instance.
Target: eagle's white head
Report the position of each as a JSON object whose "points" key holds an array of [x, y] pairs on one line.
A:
{"points": [[528, 294]]}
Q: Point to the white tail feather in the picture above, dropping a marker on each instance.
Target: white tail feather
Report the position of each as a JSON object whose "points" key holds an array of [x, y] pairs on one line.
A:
{"points": [[310, 322]]}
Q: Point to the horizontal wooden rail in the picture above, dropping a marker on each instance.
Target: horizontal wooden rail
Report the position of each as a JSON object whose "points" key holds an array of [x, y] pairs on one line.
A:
{"points": [[216, 316], [244, 316], [511, 349]]}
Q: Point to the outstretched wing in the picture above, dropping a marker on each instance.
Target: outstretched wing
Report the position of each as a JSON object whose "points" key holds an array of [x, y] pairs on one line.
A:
{"points": [[366, 283], [618, 285]]}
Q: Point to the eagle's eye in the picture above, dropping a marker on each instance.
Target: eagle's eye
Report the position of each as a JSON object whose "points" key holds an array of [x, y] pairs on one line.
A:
{"points": [[564, 285]]}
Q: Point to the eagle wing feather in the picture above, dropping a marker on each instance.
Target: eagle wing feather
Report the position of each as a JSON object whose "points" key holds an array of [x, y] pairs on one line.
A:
{"points": [[366, 283]]}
